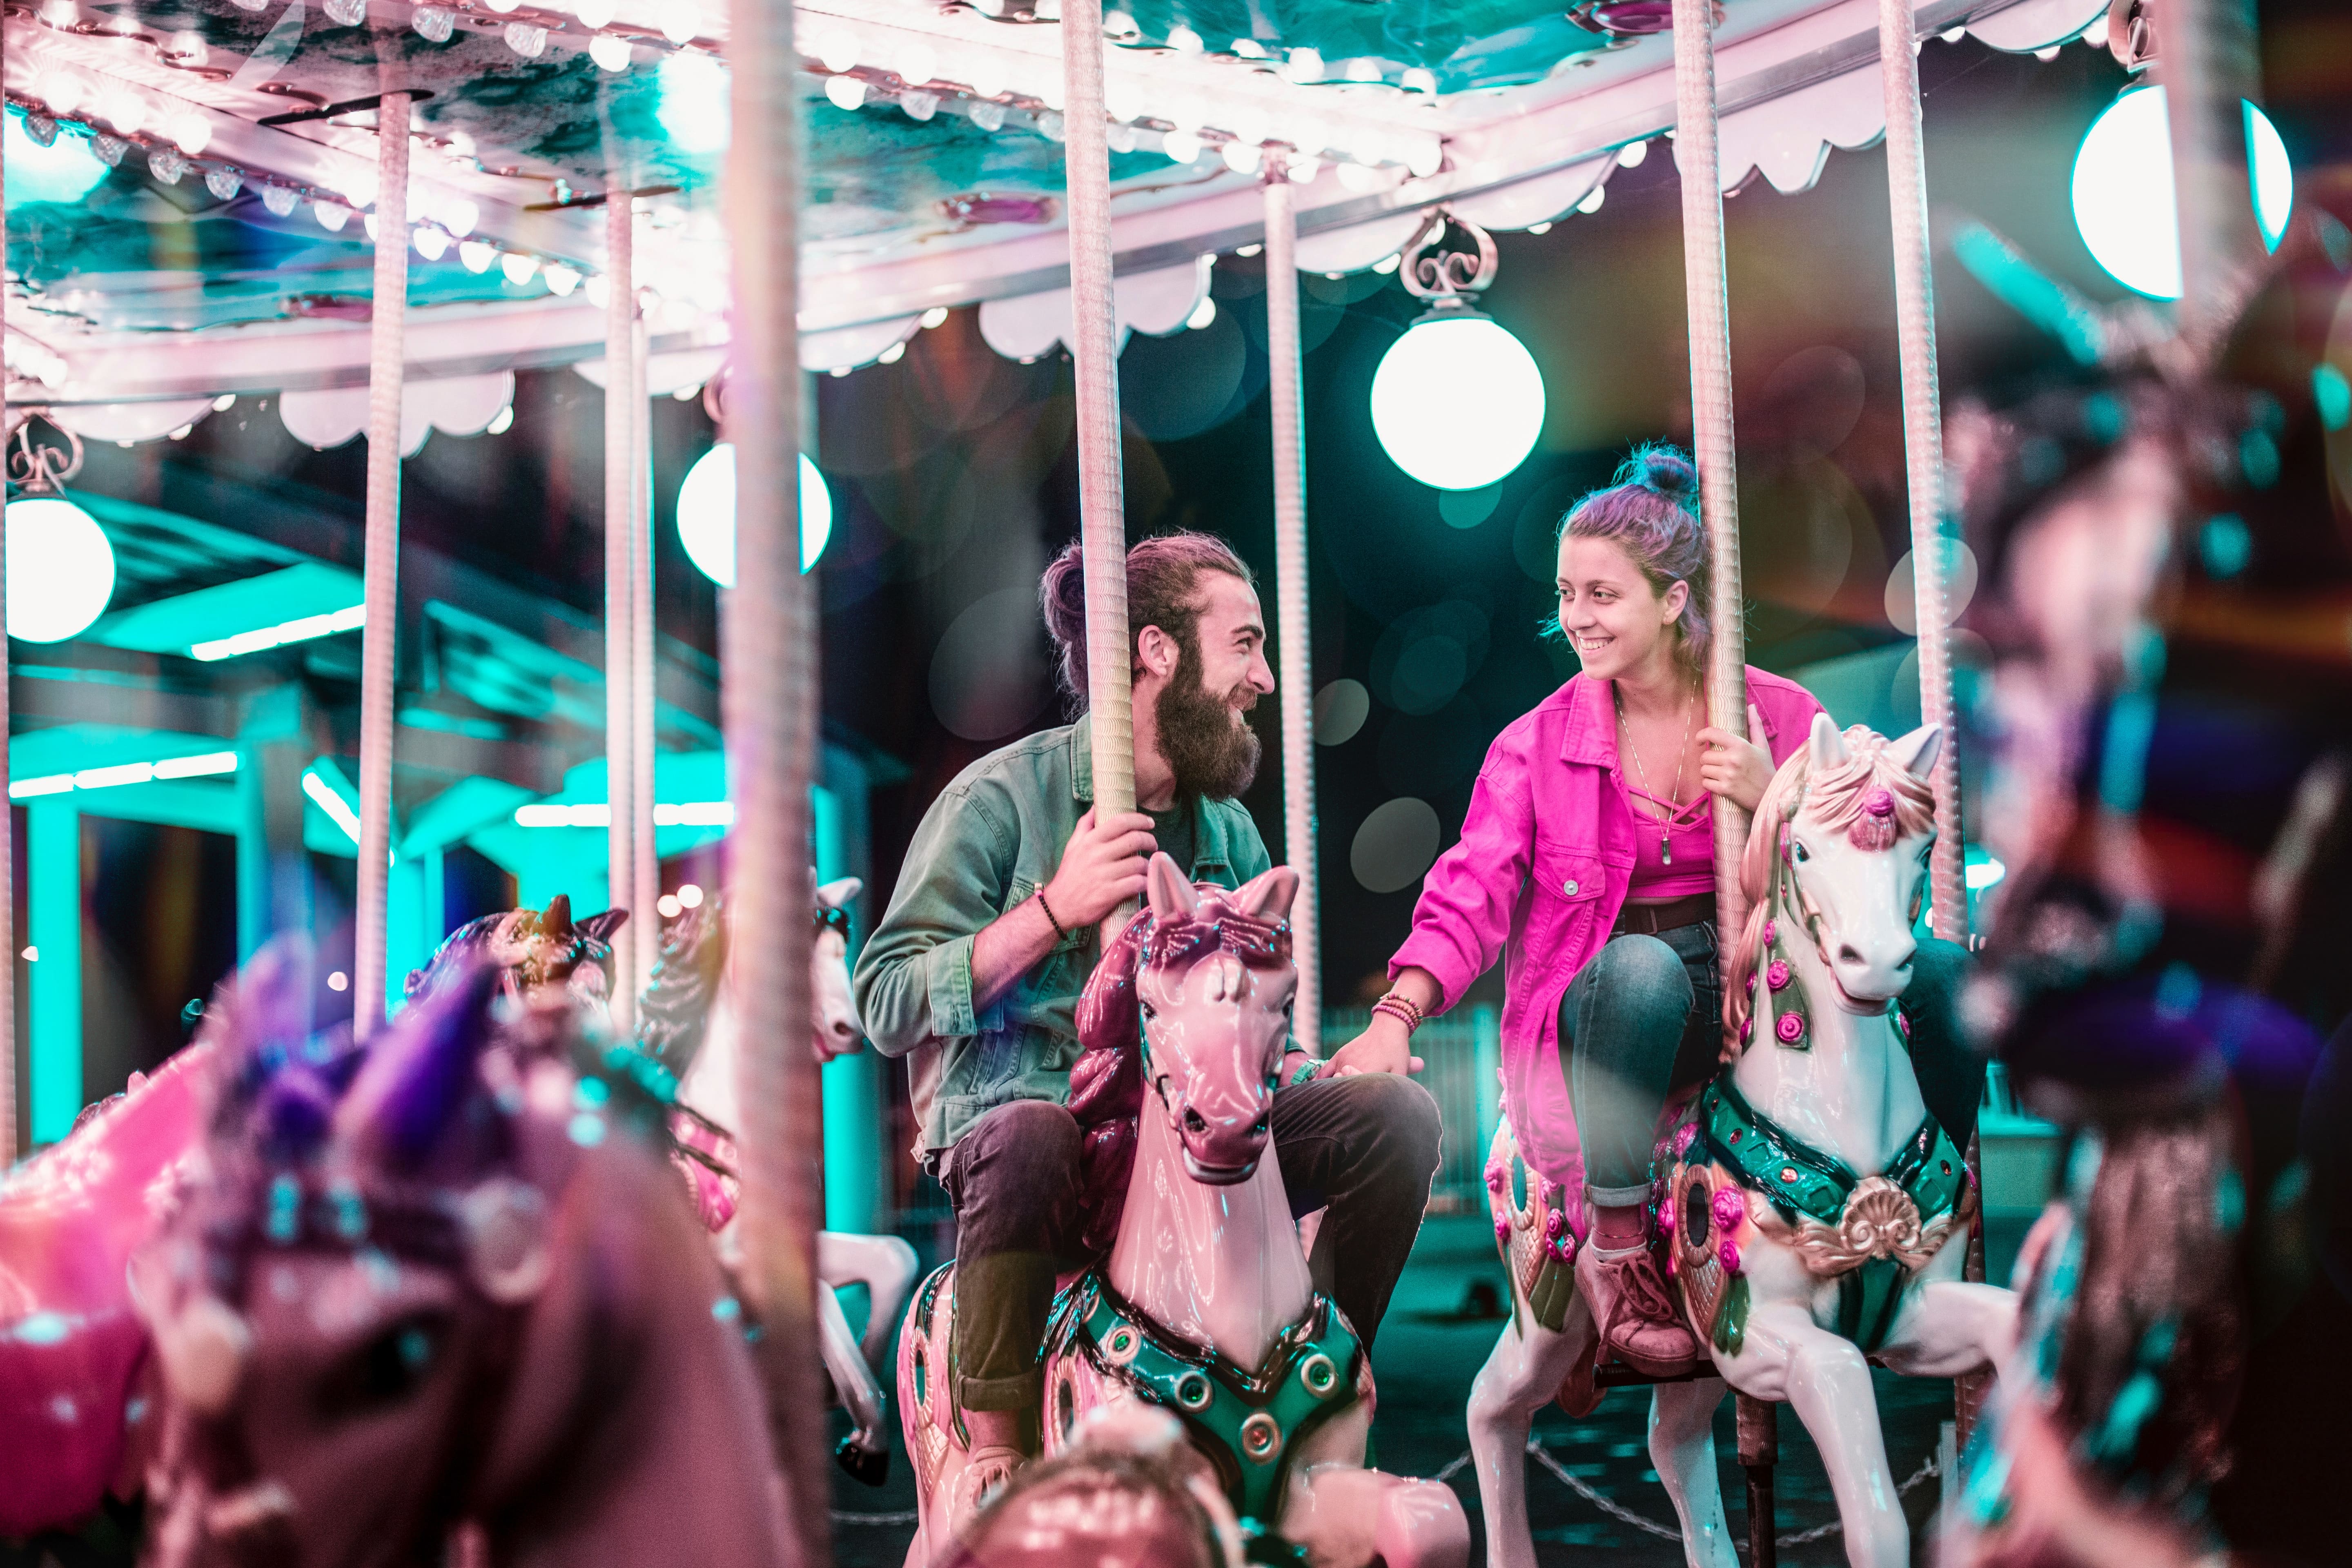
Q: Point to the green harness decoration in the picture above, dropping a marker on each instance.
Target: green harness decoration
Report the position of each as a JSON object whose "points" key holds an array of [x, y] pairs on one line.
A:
{"points": [[1872, 1232], [1247, 1423]]}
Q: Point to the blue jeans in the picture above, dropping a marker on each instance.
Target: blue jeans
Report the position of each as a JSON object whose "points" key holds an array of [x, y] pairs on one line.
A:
{"points": [[1645, 1018]]}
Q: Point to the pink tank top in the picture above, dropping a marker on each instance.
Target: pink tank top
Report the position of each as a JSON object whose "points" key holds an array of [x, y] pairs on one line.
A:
{"points": [[1675, 858]]}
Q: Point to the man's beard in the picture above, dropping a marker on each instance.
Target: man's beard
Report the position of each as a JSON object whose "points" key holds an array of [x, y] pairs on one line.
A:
{"points": [[1208, 746]]}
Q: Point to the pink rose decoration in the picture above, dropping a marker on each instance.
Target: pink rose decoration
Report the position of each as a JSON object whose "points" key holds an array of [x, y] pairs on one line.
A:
{"points": [[1790, 1028], [1497, 1178], [1666, 1214], [1565, 1247], [1502, 1229], [1682, 1136], [1903, 1024], [1777, 976], [1771, 927], [1879, 803], [1729, 1209], [1554, 1224], [1729, 1255]]}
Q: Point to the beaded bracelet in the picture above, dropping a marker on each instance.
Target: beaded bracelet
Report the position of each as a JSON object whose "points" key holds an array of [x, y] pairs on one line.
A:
{"points": [[1403, 1010], [1041, 904]]}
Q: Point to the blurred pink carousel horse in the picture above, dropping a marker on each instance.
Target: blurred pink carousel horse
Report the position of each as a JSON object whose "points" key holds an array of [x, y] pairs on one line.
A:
{"points": [[1203, 1307], [76, 1395], [435, 1285]]}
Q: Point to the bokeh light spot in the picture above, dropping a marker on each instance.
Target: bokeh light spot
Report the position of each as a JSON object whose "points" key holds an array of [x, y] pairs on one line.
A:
{"points": [[1960, 587], [1394, 846], [1340, 709], [2225, 545], [988, 673], [64, 170]]}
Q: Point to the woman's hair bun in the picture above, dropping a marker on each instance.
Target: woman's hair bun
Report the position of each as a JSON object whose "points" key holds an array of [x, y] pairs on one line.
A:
{"points": [[1666, 469]]}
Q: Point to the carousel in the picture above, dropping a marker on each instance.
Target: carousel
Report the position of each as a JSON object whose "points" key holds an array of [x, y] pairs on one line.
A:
{"points": [[524, 1241]]}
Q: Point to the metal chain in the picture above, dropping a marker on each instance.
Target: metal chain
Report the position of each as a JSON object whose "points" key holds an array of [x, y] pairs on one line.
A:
{"points": [[1543, 1457]]}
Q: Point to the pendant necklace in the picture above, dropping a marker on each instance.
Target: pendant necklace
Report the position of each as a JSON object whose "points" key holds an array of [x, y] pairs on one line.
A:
{"points": [[1667, 824]]}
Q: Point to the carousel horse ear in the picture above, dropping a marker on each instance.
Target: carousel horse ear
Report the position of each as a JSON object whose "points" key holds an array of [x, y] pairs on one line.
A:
{"points": [[1826, 746], [600, 928], [1172, 896], [1917, 751], [837, 895], [1267, 896], [557, 920], [419, 1071]]}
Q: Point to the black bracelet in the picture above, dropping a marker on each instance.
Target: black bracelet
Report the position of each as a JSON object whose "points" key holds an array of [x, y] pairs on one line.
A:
{"points": [[1049, 915]]}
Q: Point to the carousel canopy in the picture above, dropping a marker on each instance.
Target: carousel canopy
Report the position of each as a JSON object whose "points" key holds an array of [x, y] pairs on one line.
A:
{"points": [[190, 181]]}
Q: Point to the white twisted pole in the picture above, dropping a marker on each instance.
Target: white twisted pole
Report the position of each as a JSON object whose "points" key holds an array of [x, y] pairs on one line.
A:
{"points": [[1709, 308], [768, 699], [1923, 448], [1286, 372], [387, 369], [8, 1095], [620, 584], [1094, 353], [643, 930]]}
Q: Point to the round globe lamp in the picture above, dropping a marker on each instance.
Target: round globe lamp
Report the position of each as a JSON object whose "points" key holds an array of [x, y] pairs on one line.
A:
{"points": [[1457, 402], [61, 569], [705, 514], [2125, 205]]}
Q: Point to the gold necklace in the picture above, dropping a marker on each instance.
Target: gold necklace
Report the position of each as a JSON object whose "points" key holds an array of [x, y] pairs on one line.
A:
{"points": [[1682, 756]]}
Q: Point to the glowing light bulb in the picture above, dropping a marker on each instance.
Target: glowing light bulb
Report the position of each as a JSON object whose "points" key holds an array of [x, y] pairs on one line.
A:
{"points": [[1457, 402], [681, 21], [2125, 204], [61, 569], [705, 514], [610, 51]]}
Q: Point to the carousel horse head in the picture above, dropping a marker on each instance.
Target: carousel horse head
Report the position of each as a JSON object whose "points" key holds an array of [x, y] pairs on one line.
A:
{"points": [[1202, 980], [685, 1002], [1124, 1492], [544, 953], [433, 1278], [1839, 849]]}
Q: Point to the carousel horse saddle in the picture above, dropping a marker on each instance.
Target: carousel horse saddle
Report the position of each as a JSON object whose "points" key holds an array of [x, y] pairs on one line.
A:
{"points": [[1243, 1421], [1871, 1234]]}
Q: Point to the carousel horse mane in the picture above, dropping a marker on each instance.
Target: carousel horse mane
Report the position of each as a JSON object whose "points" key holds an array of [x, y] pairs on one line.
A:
{"points": [[673, 1012], [1875, 799], [440, 1276], [541, 947], [1106, 1080]]}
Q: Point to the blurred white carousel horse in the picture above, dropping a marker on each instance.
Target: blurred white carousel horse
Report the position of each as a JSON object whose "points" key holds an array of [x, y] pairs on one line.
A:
{"points": [[1810, 1198], [688, 1021]]}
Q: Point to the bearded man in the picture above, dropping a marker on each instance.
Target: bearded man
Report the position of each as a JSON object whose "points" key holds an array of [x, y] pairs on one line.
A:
{"points": [[973, 974]]}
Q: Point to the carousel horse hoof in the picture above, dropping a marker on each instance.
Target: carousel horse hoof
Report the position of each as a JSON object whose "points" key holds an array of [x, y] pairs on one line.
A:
{"points": [[871, 1465]]}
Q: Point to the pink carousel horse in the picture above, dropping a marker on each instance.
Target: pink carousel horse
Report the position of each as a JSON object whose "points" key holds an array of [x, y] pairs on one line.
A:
{"points": [[443, 1282], [77, 1396], [1203, 1307], [687, 1023], [1808, 1203]]}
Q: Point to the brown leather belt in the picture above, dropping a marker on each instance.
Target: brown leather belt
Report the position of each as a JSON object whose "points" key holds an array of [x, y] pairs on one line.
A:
{"points": [[1649, 920]]}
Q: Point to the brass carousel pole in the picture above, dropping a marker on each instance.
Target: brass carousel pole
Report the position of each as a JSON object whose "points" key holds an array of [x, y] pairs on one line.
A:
{"points": [[769, 697], [387, 369], [1094, 353]]}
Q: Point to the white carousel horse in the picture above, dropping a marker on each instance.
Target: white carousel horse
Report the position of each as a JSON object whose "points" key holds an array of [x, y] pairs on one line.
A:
{"points": [[1809, 1198], [884, 1264], [1203, 1307]]}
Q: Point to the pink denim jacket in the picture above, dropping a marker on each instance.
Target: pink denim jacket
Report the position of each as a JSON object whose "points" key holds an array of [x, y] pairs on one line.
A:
{"points": [[1538, 876]]}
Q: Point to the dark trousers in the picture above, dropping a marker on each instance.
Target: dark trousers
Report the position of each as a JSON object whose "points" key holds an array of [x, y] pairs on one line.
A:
{"points": [[1645, 1018], [1364, 1146]]}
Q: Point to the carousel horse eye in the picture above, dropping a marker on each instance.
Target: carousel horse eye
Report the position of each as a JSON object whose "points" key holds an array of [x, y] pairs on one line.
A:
{"points": [[1802, 853], [387, 1368]]}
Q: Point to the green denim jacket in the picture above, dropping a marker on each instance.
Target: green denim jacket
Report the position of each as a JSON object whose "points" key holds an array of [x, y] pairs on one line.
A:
{"points": [[990, 840]]}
